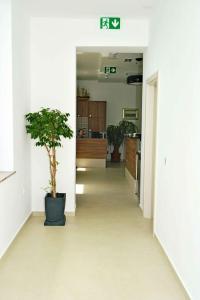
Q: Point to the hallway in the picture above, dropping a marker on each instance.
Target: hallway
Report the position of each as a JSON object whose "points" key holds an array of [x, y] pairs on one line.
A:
{"points": [[106, 252]]}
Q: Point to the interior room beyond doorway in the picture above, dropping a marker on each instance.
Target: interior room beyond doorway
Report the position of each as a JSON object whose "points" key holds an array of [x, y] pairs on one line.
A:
{"points": [[109, 110]]}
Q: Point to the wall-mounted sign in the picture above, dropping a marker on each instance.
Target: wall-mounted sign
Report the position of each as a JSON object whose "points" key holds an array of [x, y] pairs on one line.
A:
{"points": [[110, 23], [110, 70]]}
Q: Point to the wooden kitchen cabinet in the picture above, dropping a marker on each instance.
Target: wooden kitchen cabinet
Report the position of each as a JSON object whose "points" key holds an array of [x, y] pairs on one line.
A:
{"points": [[102, 115], [93, 109], [97, 115], [82, 108]]}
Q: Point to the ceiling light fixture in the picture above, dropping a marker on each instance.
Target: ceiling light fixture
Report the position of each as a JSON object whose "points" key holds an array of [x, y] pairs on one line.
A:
{"points": [[128, 60], [134, 79], [139, 59]]}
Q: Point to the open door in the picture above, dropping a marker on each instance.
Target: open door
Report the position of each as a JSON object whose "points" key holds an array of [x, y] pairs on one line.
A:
{"points": [[150, 133]]}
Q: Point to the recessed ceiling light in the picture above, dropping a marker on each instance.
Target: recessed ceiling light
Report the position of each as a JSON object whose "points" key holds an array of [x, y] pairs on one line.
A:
{"points": [[128, 60]]}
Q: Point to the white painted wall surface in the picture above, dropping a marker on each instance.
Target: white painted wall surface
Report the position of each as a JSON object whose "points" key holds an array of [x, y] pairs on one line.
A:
{"points": [[174, 51], [15, 203], [53, 84], [6, 111], [117, 95]]}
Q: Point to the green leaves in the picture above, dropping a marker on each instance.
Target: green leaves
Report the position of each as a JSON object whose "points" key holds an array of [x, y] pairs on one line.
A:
{"points": [[47, 127], [115, 133], [128, 127]]}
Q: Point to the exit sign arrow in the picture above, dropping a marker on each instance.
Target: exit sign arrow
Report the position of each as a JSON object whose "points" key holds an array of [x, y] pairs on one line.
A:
{"points": [[110, 23], [115, 23], [110, 70]]}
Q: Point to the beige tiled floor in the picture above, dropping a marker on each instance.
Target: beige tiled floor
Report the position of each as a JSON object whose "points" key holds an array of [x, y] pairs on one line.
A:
{"points": [[106, 252]]}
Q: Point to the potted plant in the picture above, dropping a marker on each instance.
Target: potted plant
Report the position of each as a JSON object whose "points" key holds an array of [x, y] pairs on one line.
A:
{"points": [[115, 136], [47, 127], [127, 127]]}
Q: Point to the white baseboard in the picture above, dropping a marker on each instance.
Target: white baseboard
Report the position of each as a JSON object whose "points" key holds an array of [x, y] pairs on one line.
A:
{"points": [[129, 176], [15, 235], [131, 179], [35, 214], [172, 265]]}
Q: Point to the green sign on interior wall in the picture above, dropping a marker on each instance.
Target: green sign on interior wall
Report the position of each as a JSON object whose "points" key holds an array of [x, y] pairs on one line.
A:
{"points": [[110, 23], [110, 70]]}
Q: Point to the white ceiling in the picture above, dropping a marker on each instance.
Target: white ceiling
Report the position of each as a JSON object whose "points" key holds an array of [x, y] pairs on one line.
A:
{"points": [[89, 8], [90, 65]]}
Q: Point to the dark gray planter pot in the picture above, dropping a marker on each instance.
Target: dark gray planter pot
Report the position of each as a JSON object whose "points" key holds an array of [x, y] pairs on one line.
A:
{"points": [[55, 210]]}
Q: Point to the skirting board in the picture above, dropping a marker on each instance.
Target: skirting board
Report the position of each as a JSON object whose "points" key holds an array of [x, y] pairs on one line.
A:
{"points": [[90, 163], [15, 235], [171, 264], [131, 180], [41, 214]]}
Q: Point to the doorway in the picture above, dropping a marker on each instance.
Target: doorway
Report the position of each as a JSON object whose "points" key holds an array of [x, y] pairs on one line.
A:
{"points": [[149, 149], [108, 93]]}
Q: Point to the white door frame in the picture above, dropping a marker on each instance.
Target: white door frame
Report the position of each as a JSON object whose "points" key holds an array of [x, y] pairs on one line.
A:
{"points": [[148, 182]]}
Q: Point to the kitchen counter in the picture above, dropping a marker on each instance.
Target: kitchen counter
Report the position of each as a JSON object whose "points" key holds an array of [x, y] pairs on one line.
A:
{"points": [[91, 148], [131, 146], [134, 136], [132, 162], [91, 152]]}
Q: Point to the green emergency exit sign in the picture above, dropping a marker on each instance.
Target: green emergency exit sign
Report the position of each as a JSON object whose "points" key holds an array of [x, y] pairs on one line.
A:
{"points": [[110, 23], [110, 70]]}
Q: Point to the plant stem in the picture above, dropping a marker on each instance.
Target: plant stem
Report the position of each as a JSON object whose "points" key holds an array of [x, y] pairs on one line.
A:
{"points": [[54, 172], [52, 166]]}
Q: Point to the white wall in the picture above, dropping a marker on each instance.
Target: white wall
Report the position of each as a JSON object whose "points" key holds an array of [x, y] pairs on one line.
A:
{"points": [[174, 51], [15, 204], [118, 95], [6, 111], [53, 84]]}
